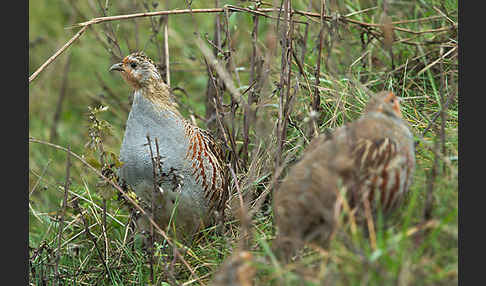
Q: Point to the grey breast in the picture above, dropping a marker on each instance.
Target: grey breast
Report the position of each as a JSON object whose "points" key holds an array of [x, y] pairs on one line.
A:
{"points": [[145, 120]]}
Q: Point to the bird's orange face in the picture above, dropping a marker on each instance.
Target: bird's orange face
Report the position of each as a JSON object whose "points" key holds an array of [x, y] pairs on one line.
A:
{"points": [[394, 101], [137, 70], [129, 71]]}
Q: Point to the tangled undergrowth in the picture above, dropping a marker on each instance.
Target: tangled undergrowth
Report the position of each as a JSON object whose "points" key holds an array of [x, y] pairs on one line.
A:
{"points": [[276, 84]]}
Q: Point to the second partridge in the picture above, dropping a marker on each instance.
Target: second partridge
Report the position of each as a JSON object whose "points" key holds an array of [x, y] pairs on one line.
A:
{"points": [[372, 158]]}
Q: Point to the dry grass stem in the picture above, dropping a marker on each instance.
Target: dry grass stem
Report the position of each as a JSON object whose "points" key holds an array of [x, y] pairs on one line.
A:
{"points": [[166, 50], [56, 54], [63, 213]]}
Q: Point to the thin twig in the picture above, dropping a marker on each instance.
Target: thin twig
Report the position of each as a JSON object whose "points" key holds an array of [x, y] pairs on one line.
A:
{"points": [[436, 115], [285, 76], [60, 51], [231, 8], [436, 61], [152, 209], [109, 32], [360, 11], [244, 218], [316, 98], [104, 228], [89, 234], [230, 59], [370, 223], [431, 176], [257, 12], [62, 95], [63, 212], [39, 178], [302, 72], [155, 30], [148, 14], [222, 72], [215, 89], [166, 50], [106, 44], [249, 114], [443, 113], [444, 15]]}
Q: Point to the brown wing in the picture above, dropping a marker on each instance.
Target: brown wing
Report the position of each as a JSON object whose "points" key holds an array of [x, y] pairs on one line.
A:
{"points": [[378, 170], [218, 196], [209, 166]]}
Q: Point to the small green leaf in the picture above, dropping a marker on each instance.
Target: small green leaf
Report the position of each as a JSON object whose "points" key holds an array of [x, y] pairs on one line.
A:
{"points": [[93, 161]]}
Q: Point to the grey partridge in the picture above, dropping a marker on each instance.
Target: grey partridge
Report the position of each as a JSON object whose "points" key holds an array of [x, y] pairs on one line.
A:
{"points": [[372, 158], [236, 270], [192, 187]]}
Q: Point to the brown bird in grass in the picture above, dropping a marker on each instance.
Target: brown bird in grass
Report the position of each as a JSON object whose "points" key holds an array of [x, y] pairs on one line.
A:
{"points": [[192, 182], [372, 158], [237, 270]]}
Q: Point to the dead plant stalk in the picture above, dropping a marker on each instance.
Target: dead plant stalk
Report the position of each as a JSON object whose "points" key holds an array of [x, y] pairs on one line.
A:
{"points": [[63, 212]]}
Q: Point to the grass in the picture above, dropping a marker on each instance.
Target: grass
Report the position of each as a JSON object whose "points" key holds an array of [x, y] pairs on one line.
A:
{"points": [[410, 250]]}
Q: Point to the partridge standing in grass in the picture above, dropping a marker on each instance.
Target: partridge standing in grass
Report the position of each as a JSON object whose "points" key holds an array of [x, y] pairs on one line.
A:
{"points": [[192, 189], [372, 158]]}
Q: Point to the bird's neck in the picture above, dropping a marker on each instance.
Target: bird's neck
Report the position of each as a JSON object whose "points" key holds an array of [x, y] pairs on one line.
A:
{"points": [[159, 95]]}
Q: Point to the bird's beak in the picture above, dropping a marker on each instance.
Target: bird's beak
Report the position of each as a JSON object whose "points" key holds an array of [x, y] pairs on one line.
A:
{"points": [[116, 67]]}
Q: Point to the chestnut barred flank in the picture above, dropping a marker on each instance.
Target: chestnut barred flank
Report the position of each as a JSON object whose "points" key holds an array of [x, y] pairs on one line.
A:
{"points": [[207, 162], [379, 172]]}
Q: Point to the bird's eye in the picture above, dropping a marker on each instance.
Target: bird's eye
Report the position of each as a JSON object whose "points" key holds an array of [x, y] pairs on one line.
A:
{"points": [[133, 65], [392, 100]]}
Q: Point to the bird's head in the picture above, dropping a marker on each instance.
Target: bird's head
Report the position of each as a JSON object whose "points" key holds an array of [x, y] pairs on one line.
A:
{"points": [[138, 70], [385, 102]]}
